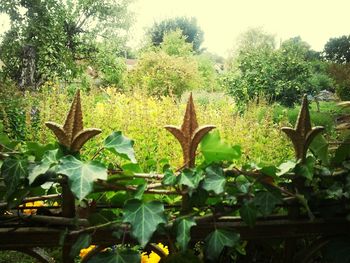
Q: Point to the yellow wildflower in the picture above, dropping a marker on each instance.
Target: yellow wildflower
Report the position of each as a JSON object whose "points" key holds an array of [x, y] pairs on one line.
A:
{"points": [[30, 204], [144, 257], [153, 257], [84, 251]]}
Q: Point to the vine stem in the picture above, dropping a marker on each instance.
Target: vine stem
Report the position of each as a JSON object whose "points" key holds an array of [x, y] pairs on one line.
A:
{"points": [[92, 229], [97, 152], [114, 187]]}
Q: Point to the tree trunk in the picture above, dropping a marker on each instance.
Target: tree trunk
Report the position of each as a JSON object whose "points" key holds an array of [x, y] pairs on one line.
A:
{"points": [[27, 79]]}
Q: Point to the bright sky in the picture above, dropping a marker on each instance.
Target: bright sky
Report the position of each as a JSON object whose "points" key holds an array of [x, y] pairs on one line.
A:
{"points": [[223, 20]]}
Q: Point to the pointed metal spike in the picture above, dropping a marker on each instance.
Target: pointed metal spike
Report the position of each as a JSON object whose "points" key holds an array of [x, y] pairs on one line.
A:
{"points": [[189, 135]]}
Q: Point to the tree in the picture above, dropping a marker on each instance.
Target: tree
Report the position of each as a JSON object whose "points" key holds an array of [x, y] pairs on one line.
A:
{"points": [[255, 38], [282, 75], [252, 39], [160, 74], [47, 39], [192, 32], [301, 48], [174, 44], [338, 49]]}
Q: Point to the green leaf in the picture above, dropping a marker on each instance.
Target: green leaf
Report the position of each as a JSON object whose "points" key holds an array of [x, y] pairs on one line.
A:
{"points": [[285, 167], [214, 179], [131, 168], [169, 178], [218, 240], [120, 145], [306, 170], [38, 150], [81, 175], [190, 178], [215, 150], [248, 213], [266, 202], [144, 218], [342, 152], [49, 159], [140, 190], [117, 256], [269, 170], [183, 235], [13, 170], [83, 241], [319, 148], [5, 141]]}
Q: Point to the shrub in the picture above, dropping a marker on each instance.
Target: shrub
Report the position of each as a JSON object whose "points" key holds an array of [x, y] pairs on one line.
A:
{"points": [[159, 74], [280, 75], [209, 78], [341, 75]]}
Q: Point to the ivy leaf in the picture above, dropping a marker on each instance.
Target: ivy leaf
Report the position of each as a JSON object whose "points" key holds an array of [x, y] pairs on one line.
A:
{"points": [[190, 178], [217, 240], [82, 241], [342, 152], [215, 150], [169, 178], [144, 218], [49, 159], [120, 145], [13, 170], [183, 228], [319, 148], [140, 190], [248, 213], [117, 256], [306, 170], [214, 179], [5, 141], [38, 150], [266, 202], [81, 175], [285, 167]]}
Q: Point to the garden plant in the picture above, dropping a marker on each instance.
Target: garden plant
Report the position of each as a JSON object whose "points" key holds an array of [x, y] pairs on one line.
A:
{"points": [[208, 209]]}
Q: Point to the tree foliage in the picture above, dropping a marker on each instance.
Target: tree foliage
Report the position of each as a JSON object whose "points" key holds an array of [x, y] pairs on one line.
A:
{"points": [[48, 38], [338, 49], [192, 32], [282, 74]]}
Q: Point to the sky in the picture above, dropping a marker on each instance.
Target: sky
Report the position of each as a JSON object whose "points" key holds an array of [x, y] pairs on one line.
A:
{"points": [[315, 21]]}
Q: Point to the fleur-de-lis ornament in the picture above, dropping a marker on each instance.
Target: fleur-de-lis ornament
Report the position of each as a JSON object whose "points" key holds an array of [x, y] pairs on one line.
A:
{"points": [[303, 134], [72, 134], [189, 134]]}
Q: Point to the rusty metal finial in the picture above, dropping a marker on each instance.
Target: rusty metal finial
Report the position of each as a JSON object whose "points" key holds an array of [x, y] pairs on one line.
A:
{"points": [[189, 135], [72, 133], [303, 134]]}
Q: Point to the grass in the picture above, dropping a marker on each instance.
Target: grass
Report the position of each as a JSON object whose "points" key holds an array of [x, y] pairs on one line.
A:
{"points": [[143, 118], [325, 117]]}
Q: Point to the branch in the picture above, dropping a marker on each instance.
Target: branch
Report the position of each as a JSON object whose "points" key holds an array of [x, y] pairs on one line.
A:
{"points": [[114, 187], [92, 229], [49, 220]]}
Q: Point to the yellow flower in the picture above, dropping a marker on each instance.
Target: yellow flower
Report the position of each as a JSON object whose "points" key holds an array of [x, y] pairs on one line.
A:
{"points": [[30, 204], [84, 251], [144, 257], [153, 257]]}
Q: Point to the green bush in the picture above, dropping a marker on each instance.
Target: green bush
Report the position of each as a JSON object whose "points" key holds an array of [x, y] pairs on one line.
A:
{"points": [[341, 75], [279, 75], [208, 74], [111, 68], [159, 74]]}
